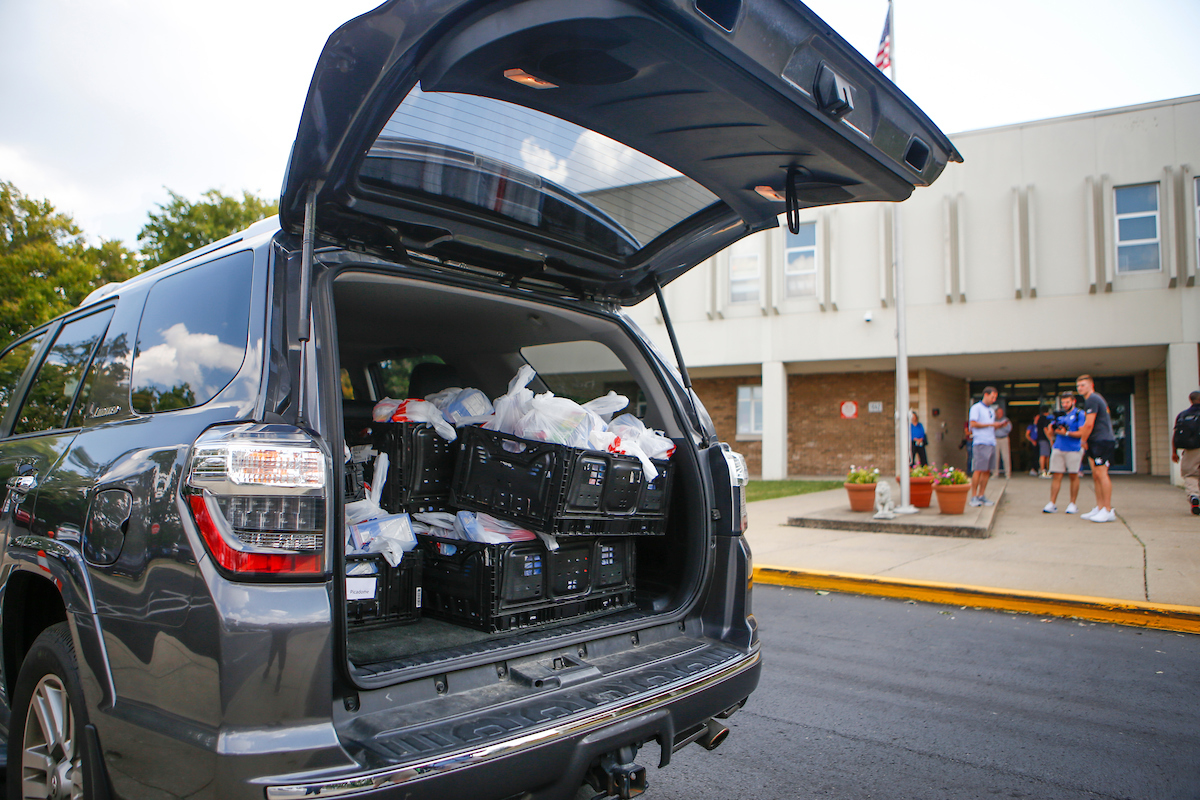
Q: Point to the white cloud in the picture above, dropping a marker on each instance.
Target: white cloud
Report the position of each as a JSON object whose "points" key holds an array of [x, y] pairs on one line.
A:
{"points": [[188, 358], [599, 162], [541, 161]]}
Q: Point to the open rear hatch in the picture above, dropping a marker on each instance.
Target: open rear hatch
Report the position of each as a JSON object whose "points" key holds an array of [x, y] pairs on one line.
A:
{"points": [[596, 146]]}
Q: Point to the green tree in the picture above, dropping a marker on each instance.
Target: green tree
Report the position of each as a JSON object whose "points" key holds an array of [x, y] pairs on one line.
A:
{"points": [[181, 225], [47, 266]]}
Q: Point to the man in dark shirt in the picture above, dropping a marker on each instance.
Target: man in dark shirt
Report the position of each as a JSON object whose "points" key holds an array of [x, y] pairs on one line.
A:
{"points": [[1189, 465], [1097, 436]]}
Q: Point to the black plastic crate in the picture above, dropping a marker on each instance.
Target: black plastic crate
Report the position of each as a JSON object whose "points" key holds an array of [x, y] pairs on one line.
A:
{"points": [[503, 587], [558, 489], [420, 467], [395, 598]]}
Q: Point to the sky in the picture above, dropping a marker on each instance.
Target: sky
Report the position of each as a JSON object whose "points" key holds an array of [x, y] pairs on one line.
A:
{"points": [[105, 104]]}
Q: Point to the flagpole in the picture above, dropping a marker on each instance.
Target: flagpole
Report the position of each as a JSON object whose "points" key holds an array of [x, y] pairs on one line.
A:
{"points": [[903, 437]]}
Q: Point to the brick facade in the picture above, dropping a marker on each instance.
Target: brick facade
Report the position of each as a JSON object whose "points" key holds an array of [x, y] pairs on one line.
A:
{"points": [[719, 396], [820, 442]]}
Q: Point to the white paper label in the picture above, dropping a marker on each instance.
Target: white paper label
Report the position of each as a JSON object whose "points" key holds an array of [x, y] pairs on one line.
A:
{"points": [[360, 588], [418, 597]]}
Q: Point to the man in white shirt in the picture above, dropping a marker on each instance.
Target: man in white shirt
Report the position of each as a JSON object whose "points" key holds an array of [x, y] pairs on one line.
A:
{"points": [[983, 424]]}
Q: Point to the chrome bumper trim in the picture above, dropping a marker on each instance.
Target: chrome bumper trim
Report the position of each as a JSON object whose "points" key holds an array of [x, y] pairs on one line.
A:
{"points": [[345, 787]]}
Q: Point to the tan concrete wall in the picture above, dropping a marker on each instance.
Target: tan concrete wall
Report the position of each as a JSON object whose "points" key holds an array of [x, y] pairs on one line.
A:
{"points": [[1158, 455], [949, 396]]}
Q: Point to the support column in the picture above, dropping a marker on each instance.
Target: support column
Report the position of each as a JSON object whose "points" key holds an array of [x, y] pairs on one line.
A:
{"points": [[775, 421], [1183, 377]]}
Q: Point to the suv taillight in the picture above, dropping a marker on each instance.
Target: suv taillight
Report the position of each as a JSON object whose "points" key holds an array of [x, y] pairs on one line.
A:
{"points": [[258, 496]]}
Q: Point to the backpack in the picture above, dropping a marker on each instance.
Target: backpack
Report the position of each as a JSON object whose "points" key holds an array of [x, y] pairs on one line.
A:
{"points": [[1187, 431]]}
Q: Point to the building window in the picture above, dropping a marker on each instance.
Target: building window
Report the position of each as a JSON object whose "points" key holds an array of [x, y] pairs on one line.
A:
{"points": [[1137, 227], [1196, 211], [749, 410], [745, 271], [800, 261]]}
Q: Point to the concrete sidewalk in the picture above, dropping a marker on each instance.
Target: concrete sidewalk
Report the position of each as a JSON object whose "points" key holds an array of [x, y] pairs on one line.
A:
{"points": [[1148, 560]]}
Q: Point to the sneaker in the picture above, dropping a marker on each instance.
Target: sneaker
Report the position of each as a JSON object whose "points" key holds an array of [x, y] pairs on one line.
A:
{"points": [[1105, 515], [1196, 505], [974, 502], [983, 501], [1071, 509], [1044, 475], [1095, 510], [1033, 473], [1050, 508]]}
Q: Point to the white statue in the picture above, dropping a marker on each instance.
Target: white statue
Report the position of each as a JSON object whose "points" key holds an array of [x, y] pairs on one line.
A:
{"points": [[884, 507]]}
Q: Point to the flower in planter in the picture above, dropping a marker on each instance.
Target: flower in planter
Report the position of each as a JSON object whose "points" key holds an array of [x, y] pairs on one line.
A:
{"points": [[952, 476], [922, 471], [862, 475]]}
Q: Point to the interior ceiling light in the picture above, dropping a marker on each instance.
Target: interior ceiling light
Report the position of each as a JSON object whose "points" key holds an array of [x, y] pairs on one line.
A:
{"points": [[521, 76], [770, 194]]}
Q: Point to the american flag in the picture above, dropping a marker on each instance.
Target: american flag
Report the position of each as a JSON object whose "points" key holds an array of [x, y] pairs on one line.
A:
{"points": [[883, 59]]}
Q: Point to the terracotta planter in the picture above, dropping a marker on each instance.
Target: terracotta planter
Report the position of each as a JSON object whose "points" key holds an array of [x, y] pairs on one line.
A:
{"points": [[920, 490], [862, 496], [952, 497]]}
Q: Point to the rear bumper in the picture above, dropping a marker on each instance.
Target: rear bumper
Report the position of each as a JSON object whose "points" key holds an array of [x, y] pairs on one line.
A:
{"points": [[549, 762]]}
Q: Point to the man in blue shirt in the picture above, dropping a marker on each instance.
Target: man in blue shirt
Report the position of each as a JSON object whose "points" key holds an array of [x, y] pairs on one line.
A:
{"points": [[1067, 453]]}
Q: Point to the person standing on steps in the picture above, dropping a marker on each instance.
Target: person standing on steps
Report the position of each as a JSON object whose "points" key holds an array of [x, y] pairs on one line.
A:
{"points": [[1186, 437], [917, 433], [982, 421], [1097, 436], [1067, 454]]}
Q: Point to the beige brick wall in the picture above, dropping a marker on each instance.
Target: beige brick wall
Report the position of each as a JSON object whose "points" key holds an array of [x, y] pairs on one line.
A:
{"points": [[820, 442], [719, 396]]}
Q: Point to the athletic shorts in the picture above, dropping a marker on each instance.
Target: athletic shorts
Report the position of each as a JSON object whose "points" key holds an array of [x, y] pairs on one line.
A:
{"points": [[1044, 447], [1101, 453], [1065, 461], [983, 458]]}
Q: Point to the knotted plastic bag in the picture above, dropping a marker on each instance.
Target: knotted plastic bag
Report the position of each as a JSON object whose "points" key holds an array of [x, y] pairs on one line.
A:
{"points": [[389, 410]]}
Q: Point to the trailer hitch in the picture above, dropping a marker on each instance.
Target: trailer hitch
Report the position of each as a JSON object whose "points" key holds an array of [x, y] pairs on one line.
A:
{"points": [[617, 775]]}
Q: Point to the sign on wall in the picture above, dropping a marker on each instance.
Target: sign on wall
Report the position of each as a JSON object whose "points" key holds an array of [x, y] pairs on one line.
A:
{"points": [[849, 410], [875, 407]]}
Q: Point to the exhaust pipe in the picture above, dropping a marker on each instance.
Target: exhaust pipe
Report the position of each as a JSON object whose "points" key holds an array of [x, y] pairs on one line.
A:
{"points": [[714, 734]]}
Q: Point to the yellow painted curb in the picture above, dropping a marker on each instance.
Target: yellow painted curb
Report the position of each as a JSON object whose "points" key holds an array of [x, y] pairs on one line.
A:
{"points": [[1182, 619]]}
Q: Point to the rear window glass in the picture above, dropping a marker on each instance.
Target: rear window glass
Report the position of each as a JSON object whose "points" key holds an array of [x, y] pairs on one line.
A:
{"points": [[192, 339], [60, 374], [12, 367], [522, 165]]}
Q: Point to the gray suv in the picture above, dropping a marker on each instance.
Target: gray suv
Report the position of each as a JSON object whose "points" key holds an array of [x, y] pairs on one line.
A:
{"points": [[474, 186]]}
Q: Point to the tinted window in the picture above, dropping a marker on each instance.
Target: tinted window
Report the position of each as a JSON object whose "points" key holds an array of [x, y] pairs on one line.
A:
{"points": [[62, 371], [192, 339], [12, 367]]}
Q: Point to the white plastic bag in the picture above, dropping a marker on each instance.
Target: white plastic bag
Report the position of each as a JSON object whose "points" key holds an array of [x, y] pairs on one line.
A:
{"points": [[511, 407], [389, 410], [628, 435], [607, 405], [557, 419], [435, 523]]}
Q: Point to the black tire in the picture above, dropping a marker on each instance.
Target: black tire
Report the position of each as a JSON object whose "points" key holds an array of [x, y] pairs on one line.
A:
{"points": [[46, 749]]}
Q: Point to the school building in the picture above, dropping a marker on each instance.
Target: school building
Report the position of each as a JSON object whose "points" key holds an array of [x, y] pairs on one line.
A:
{"points": [[1059, 247]]}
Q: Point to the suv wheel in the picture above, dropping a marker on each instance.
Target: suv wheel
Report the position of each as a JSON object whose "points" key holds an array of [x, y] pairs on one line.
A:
{"points": [[45, 747]]}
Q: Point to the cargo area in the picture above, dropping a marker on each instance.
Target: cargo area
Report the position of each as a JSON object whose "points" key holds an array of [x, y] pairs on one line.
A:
{"points": [[624, 549]]}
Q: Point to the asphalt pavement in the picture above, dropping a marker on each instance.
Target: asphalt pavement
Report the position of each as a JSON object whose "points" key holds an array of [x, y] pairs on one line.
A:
{"points": [[1142, 569], [865, 697]]}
